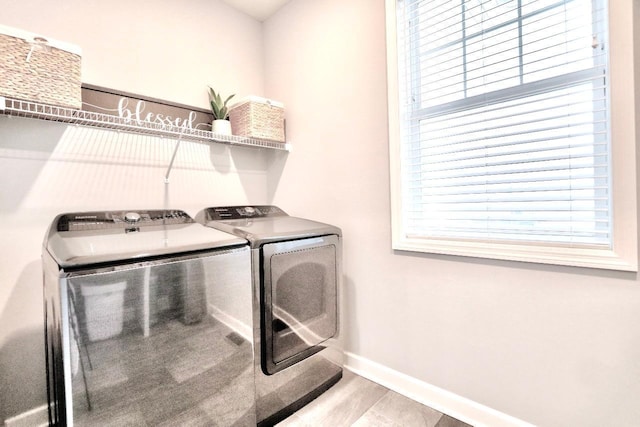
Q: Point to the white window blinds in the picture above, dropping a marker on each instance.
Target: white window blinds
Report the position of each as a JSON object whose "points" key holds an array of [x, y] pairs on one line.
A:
{"points": [[504, 120]]}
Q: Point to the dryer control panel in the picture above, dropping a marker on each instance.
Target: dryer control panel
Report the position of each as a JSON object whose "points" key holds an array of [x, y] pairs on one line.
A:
{"points": [[241, 212], [120, 219]]}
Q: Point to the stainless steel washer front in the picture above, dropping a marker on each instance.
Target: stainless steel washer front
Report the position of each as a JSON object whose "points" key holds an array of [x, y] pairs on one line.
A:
{"points": [[148, 321]]}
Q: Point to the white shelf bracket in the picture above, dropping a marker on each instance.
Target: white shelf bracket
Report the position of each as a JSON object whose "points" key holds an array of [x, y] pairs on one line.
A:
{"points": [[173, 157]]}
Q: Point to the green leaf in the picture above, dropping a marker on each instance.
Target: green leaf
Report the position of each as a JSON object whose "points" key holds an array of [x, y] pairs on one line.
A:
{"points": [[212, 94], [218, 108]]}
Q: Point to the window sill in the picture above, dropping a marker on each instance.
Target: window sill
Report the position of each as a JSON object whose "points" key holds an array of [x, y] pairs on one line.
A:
{"points": [[555, 255]]}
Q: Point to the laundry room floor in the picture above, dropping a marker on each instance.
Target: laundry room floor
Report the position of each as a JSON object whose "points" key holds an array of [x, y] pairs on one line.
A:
{"points": [[356, 401]]}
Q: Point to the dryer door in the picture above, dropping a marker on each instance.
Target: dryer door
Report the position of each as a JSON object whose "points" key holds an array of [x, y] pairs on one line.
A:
{"points": [[299, 299]]}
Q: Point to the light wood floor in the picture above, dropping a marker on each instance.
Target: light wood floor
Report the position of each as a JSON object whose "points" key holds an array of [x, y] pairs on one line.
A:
{"points": [[356, 401]]}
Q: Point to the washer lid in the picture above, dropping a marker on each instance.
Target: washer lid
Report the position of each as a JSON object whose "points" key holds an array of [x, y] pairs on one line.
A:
{"points": [[85, 238], [265, 228]]}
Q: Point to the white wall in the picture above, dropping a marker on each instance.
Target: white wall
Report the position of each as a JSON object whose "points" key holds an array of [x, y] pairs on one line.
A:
{"points": [[553, 346], [164, 49]]}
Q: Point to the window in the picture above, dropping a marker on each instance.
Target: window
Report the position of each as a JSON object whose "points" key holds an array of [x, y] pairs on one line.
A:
{"points": [[501, 130]]}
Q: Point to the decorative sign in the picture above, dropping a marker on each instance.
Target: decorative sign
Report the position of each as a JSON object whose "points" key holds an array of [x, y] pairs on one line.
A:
{"points": [[139, 110]]}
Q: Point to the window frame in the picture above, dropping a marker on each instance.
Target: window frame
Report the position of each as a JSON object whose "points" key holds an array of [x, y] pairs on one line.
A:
{"points": [[623, 254]]}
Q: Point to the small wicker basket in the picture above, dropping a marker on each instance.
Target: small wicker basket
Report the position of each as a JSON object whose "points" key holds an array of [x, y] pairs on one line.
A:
{"points": [[258, 118], [34, 68]]}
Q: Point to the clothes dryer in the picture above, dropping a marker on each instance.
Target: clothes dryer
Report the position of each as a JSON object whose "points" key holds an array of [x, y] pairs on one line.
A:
{"points": [[296, 270], [148, 321]]}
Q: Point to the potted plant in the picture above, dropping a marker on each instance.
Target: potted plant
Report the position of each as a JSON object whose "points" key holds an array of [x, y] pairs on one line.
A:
{"points": [[221, 124]]}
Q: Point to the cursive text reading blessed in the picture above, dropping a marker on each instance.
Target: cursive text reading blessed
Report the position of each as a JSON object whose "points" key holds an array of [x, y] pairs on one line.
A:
{"points": [[138, 116]]}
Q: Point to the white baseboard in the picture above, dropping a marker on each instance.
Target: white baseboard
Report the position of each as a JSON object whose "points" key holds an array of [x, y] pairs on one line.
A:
{"points": [[441, 400], [36, 417]]}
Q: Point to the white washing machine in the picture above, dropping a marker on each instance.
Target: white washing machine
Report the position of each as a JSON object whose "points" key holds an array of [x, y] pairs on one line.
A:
{"points": [[148, 321], [296, 268]]}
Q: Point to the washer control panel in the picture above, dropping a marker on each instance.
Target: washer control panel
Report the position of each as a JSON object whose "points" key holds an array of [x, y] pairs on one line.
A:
{"points": [[120, 219], [242, 212]]}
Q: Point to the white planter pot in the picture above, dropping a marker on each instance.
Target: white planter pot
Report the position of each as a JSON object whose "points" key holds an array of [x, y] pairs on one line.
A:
{"points": [[221, 127]]}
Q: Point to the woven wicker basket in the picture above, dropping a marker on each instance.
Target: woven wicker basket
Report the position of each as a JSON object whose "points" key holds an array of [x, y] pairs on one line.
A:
{"points": [[258, 118], [36, 69]]}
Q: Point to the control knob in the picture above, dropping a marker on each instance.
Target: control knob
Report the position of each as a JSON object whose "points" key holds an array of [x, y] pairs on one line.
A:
{"points": [[132, 217]]}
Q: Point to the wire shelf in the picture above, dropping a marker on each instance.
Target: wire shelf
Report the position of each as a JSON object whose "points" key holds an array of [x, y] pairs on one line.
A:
{"points": [[35, 110]]}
